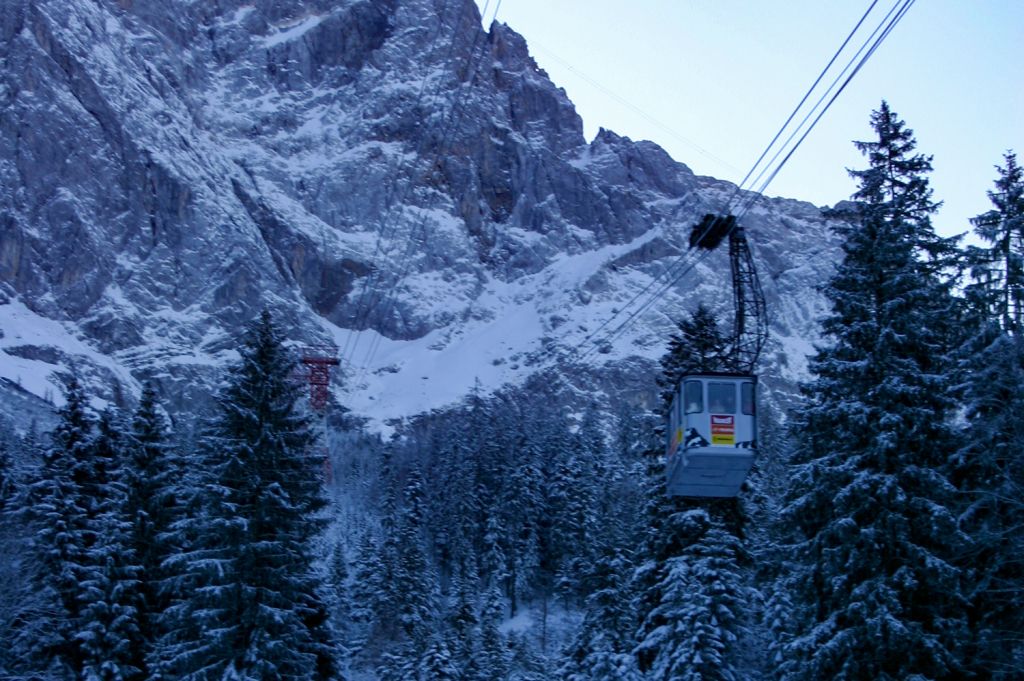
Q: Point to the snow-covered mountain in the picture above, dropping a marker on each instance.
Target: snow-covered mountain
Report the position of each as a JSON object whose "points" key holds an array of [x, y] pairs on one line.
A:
{"points": [[384, 175]]}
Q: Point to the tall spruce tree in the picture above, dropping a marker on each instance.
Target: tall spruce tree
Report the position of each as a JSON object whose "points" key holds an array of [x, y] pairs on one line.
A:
{"points": [[339, 601], [63, 519], [690, 620], [150, 477], [437, 664], [493, 660], [602, 649], [989, 469], [414, 579], [7, 476], [998, 267], [698, 345], [251, 607], [110, 634], [374, 604], [880, 595], [12, 582]]}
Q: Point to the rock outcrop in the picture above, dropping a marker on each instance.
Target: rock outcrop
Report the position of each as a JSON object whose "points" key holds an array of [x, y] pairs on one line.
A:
{"points": [[383, 174]]}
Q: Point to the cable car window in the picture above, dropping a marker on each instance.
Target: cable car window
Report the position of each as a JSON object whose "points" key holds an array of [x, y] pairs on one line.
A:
{"points": [[722, 398], [694, 394], [747, 397]]}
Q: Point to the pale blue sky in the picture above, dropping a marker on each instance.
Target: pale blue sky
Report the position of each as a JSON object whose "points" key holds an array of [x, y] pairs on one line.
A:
{"points": [[712, 80]]}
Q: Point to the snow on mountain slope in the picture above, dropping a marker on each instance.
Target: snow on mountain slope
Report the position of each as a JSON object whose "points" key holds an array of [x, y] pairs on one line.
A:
{"points": [[383, 175]]}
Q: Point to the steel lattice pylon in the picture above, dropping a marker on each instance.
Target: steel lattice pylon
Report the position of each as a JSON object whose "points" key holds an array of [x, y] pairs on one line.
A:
{"points": [[750, 326], [750, 320], [318, 361]]}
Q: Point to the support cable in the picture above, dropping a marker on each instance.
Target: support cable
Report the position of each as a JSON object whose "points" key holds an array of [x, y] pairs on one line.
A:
{"points": [[419, 231], [385, 230], [364, 306], [891, 19], [797, 108]]}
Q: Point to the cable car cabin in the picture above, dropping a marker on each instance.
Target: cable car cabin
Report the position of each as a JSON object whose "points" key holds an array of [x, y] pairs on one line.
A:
{"points": [[712, 437]]}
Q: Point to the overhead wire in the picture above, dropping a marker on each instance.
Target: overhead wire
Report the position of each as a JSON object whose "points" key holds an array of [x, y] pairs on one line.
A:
{"points": [[892, 17], [743, 183], [641, 293], [419, 230], [907, 4], [889, 22], [363, 305], [680, 260], [892, 21], [633, 107], [685, 262], [684, 268], [606, 339]]}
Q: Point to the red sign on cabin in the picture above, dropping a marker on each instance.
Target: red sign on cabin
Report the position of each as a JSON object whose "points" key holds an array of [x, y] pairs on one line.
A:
{"points": [[723, 429]]}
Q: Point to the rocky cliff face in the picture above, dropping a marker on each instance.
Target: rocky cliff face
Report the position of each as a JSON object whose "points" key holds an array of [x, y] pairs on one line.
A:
{"points": [[383, 174]]}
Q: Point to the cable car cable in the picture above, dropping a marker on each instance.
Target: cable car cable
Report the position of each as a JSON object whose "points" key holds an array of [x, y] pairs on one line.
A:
{"points": [[621, 328], [796, 131], [892, 22], [678, 262], [713, 467], [420, 229], [803, 100], [630, 105], [740, 186], [617, 331], [637, 296], [364, 306], [362, 309]]}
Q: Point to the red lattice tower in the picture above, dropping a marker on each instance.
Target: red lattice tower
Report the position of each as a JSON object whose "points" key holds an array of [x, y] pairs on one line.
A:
{"points": [[318, 360]]}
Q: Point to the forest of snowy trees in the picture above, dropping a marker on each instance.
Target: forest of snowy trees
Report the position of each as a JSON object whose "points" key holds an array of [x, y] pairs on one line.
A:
{"points": [[879, 536]]}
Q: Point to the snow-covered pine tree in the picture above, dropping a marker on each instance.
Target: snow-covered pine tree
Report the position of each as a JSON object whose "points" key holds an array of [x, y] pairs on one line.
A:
{"points": [[462, 621], [493, 657], [518, 510], [415, 581], [374, 606], [586, 517], [694, 613], [110, 633], [436, 663], [998, 268], [698, 345], [492, 559], [880, 595], [150, 475], [251, 607], [455, 507], [46, 642], [989, 469], [7, 477], [339, 602], [768, 538], [679, 538], [570, 502], [526, 661], [602, 649], [395, 587], [12, 582], [398, 664]]}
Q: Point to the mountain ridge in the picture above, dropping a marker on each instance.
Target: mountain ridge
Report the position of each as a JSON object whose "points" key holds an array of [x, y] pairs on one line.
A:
{"points": [[388, 177]]}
